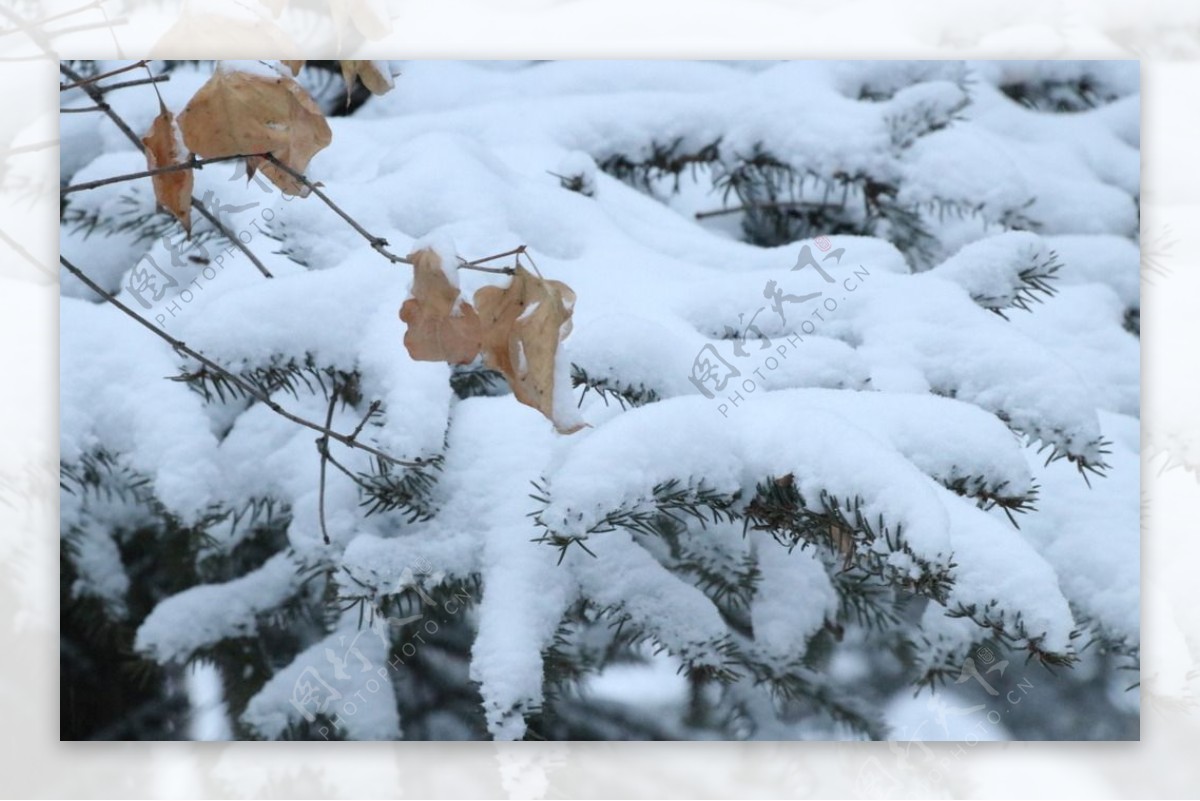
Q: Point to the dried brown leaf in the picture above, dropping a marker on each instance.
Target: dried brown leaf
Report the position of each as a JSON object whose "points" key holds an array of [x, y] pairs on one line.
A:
{"points": [[164, 148], [237, 113], [294, 66], [442, 326], [371, 75], [523, 325]]}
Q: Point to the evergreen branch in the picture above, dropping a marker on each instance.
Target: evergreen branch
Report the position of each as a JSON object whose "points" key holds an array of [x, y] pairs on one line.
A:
{"points": [[101, 472], [840, 526], [607, 388], [275, 376], [989, 495], [473, 381], [938, 664], [798, 684], [132, 218], [662, 161], [866, 602], [244, 386], [1032, 284], [711, 660], [1088, 460], [1010, 631], [671, 499], [409, 492], [1015, 219], [782, 203], [406, 602], [1059, 95], [1036, 282], [98, 98], [906, 128], [730, 586]]}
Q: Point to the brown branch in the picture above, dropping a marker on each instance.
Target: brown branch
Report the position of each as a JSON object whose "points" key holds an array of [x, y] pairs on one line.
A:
{"points": [[138, 82], [79, 82], [514, 252], [98, 98], [378, 243], [79, 110], [372, 410], [518, 251], [133, 176], [323, 448], [245, 386]]}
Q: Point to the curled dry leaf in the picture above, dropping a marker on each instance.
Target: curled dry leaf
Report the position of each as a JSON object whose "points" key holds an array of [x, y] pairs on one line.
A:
{"points": [[523, 325], [442, 326], [238, 113], [164, 148], [373, 74]]}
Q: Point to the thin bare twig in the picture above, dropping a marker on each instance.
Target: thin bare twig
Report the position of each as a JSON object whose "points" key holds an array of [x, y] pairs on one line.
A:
{"points": [[98, 97], [323, 448], [245, 386], [474, 265], [80, 110], [781, 204], [466, 265], [372, 410], [138, 82], [514, 252], [133, 176], [378, 243], [80, 82]]}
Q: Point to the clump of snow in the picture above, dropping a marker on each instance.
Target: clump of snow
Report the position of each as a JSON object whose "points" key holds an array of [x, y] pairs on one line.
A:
{"points": [[346, 678], [782, 625], [209, 613], [989, 269]]}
